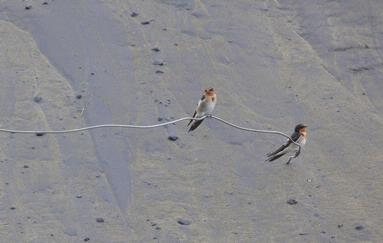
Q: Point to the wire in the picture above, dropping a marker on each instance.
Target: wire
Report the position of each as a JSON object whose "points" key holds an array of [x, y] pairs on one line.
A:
{"points": [[154, 126]]}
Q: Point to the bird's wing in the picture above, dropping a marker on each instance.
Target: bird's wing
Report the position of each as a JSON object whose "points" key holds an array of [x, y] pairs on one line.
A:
{"points": [[195, 113], [294, 137]]}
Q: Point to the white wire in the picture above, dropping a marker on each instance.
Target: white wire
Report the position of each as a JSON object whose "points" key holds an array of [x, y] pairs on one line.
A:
{"points": [[153, 126]]}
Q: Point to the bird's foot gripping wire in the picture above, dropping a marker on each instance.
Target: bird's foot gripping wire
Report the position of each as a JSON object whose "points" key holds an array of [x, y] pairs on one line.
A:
{"points": [[294, 156]]}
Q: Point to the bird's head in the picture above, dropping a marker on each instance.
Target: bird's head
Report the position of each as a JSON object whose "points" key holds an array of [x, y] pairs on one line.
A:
{"points": [[300, 128], [209, 91]]}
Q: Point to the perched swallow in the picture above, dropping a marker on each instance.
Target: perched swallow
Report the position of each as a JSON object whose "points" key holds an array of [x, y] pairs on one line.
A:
{"points": [[299, 136], [205, 107]]}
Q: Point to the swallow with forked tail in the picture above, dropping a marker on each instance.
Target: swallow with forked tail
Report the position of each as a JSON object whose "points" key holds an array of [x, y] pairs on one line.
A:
{"points": [[205, 107], [299, 136]]}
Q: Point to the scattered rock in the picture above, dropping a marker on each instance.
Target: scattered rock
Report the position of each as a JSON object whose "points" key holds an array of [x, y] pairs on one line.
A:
{"points": [[100, 220], [158, 62], [78, 196], [303, 233], [184, 222], [159, 72], [78, 96], [363, 93], [28, 7], [172, 138], [292, 201], [160, 119], [37, 99], [133, 14], [86, 239], [39, 134], [26, 166], [145, 22], [158, 228], [359, 227], [340, 226], [155, 49], [92, 74], [12, 208], [45, 3]]}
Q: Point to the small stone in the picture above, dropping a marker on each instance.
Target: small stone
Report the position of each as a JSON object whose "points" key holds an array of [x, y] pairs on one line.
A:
{"points": [[158, 228], [86, 239], [100, 220], [359, 227], [159, 72], [292, 201], [39, 134], [184, 222], [12, 208], [145, 22], [92, 74], [172, 138], [158, 62], [340, 226], [78, 96], [26, 166], [363, 93], [37, 99], [28, 7], [45, 3], [133, 14], [78, 196], [155, 49]]}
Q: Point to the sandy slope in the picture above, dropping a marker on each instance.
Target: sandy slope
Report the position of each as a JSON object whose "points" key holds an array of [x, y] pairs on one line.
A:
{"points": [[274, 64]]}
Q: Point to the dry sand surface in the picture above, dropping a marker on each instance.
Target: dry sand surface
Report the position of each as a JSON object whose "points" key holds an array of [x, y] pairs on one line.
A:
{"points": [[71, 63]]}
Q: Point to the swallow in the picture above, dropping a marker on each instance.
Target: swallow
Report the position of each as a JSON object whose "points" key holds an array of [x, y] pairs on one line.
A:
{"points": [[299, 136], [205, 107]]}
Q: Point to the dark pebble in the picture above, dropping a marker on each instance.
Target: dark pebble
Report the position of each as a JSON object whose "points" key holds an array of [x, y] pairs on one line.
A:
{"points": [[12, 208], [26, 166], [158, 62], [79, 196], [86, 239], [156, 49], [172, 138], [359, 227], [292, 201], [184, 222], [40, 134], [153, 224], [133, 14], [363, 93], [28, 7], [37, 99], [91, 73], [78, 96], [145, 22], [340, 226], [100, 220], [158, 228], [160, 119], [45, 3], [159, 71]]}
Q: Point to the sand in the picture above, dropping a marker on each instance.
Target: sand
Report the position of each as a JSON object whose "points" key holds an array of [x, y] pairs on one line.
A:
{"points": [[69, 64]]}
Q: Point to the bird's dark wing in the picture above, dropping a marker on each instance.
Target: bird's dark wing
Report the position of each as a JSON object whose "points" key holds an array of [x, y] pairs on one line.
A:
{"points": [[294, 137], [195, 125], [195, 113]]}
